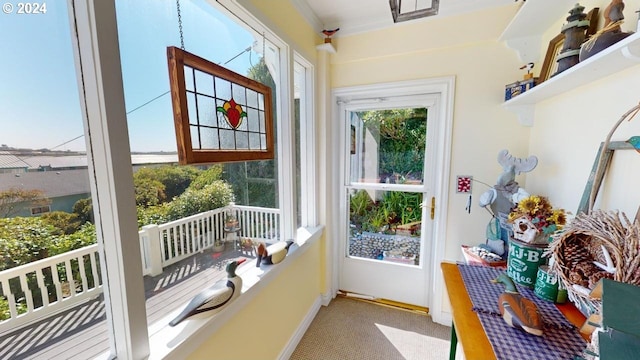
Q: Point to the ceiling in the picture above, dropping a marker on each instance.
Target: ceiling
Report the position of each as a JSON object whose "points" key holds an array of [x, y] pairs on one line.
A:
{"points": [[358, 16]]}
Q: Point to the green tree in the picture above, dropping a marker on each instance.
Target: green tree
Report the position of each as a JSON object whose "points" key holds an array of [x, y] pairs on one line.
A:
{"points": [[149, 192], [401, 136], [84, 209], [14, 200], [193, 201], [67, 223], [207, 177], [176, 179]]}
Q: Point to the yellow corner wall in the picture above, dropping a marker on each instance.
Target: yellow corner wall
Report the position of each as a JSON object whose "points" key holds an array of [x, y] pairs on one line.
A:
{"points": [[264, 327], [282, 18], [467, 47]]}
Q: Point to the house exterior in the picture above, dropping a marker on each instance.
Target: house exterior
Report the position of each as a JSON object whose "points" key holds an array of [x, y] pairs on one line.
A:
{"points": [[61, 189], [269, 319]]}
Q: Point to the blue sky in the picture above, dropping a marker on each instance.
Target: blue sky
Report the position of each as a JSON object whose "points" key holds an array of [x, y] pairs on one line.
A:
{"points": [[38, 81]]}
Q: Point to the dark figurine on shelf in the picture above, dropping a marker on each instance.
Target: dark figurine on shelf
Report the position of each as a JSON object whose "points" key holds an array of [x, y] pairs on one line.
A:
{"points": [[574, 34], [609, 34], [215, 298], [518, 311]]}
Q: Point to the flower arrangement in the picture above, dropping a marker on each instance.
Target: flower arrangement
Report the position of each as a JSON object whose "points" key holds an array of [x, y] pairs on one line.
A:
{"points": [[534, 219]]}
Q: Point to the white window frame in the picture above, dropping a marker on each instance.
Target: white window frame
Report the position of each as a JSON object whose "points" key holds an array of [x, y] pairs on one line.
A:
{"points": [[39, 210], [97, 54], [307, 152]]}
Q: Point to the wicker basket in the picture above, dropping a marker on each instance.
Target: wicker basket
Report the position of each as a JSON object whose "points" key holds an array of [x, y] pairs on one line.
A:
{"points": [[580, 244]]}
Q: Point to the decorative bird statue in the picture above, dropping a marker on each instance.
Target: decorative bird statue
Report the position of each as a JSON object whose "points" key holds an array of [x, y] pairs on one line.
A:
{"points": [[273, 254], [518, 311], [328, 34], [213, 299], [635, 142], [528, 66]]}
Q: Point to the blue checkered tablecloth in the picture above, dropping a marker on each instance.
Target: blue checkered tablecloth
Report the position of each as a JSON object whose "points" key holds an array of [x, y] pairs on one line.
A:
{"points": [[561, 340]]}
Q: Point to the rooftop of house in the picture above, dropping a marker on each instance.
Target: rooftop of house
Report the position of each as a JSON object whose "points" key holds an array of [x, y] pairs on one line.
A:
{"points": [[32, 162], [52, 183]]}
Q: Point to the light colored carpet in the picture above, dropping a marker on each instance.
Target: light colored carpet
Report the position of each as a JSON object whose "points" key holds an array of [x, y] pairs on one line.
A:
{"points": [[348, 329]]}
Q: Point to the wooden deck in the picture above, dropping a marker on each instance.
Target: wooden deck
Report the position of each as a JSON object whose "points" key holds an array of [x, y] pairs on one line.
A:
{"points": [[82, 332]]}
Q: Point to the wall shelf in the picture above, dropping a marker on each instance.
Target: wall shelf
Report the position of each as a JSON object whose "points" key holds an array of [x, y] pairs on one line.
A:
{"points": [[617, 57], [524, 32]]}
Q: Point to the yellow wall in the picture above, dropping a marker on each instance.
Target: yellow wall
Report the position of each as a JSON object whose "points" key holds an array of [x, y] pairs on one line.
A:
{"points": [[281, 17], [569, 128], [264, 327], [465, 46]]}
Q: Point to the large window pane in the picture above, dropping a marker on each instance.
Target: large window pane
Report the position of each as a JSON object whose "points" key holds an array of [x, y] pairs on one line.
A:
{"points": [[198, 217], [50, 268]]}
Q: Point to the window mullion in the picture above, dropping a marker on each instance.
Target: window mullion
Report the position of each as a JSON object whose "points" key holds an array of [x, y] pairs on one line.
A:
{"points": [[98, 60]]}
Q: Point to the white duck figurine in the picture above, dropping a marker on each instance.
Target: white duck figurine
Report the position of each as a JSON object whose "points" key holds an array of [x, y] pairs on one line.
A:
{"points": [[274, 253], [213, 299]]}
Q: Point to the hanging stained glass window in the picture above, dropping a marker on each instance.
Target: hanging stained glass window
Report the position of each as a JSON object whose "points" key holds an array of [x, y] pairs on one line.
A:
{"points": [[219, 115]]}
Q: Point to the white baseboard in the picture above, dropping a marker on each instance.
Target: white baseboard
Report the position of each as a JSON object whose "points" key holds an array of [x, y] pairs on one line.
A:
{"points": [[326, 298], [442, 318], [302, 328]]}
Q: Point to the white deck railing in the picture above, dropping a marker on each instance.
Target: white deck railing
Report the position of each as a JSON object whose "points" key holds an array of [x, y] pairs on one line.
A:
{"points": [[44, 287]]}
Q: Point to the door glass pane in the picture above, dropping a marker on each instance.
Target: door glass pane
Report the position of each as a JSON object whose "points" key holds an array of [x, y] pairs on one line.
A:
{"points": [[388, 146], [385, 225]]}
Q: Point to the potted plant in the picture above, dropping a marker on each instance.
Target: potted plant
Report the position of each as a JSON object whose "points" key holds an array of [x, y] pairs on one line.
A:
{"points": [[230, 222], [218, 245]]}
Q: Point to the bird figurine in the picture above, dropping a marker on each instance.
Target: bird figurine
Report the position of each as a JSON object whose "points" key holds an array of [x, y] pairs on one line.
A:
{"points": [[213, 299], [518, 311], [328, 34], [635, 142], [272, 254], [528, 66]]}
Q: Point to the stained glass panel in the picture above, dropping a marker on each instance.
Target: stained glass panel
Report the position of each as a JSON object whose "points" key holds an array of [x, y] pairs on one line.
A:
{"points": [[219, 115]]}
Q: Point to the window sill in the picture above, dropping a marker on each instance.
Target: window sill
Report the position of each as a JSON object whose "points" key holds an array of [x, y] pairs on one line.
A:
{"points": [[178, 342]]}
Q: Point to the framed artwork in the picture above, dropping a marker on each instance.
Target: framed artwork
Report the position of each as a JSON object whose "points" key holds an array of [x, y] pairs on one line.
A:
{"points": [[550, 64], [593, 18], [219, 115]]}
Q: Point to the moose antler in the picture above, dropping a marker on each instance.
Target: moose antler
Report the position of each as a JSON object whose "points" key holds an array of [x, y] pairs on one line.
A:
{"points": [[519, 165]]}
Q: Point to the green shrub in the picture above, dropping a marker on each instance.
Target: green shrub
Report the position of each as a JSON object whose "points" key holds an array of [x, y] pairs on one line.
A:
{"points": [[215, 195], [158, 214], [149, 192], [176, 179], [24, 240], [207, 177], [68, 223], [85, 236], [84, 209]]}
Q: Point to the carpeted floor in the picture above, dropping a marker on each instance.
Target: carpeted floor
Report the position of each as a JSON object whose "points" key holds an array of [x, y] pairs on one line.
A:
{"points": [[349, 329]]}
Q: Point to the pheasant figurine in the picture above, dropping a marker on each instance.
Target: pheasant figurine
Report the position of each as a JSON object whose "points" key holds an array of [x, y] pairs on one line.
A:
{"points": [[518, 311], [213, 299], [273, 254]]}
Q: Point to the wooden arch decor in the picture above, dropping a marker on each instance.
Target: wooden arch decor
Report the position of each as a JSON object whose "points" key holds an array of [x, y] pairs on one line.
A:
{"points": [[219, 115]]}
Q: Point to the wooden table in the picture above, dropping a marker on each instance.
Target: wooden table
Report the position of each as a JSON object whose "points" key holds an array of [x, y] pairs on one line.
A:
{"points": [[466, 326]]}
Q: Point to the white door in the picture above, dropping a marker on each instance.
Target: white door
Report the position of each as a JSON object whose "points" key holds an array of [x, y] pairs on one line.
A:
{"points": [[386, 195]]}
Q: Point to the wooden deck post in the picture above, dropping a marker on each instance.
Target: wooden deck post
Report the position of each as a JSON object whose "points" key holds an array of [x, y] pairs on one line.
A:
{"points": [[152, 232]]}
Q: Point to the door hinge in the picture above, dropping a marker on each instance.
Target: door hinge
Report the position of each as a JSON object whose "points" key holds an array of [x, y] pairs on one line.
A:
{"points": [[433, 207]]}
